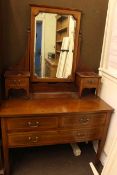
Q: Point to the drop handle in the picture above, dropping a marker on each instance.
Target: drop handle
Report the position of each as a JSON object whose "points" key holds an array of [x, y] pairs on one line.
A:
{"points": [[80, 134], [84, 120], [14, 81], [19, 81], [33, 125], [33, 139]]}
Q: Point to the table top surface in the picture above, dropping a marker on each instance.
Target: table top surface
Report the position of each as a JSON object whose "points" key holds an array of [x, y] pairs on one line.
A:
{"points": [[42, 106], [11, 74], [88, 75]]}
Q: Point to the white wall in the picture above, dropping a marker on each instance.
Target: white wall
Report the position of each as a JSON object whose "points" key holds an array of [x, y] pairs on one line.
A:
{"points": [[109, 80], [110, 167], [48, 36], [109, 94], [50, 33]]}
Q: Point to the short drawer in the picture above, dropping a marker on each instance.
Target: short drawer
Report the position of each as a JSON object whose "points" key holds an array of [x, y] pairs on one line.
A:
{"points": [[52, 137], [16, 82], [83, 120], [90, 82], [31, 123]]}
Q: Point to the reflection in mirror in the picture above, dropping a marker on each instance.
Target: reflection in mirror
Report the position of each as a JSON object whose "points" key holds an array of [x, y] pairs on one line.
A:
{"points": [[54, 45]]}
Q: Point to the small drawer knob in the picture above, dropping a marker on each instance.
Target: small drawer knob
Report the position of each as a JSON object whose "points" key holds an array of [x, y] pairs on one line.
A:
{"points": [[33, 124], [80, 134], [14, 81], [33, 139], [84, 120]]}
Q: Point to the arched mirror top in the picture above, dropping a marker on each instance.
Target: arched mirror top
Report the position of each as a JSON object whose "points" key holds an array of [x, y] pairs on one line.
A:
{"points": [[54, 44]]}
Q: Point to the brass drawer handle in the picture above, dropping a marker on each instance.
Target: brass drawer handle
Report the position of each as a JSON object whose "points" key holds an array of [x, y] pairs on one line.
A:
{"points": [[84, 120], [33, 139], [14, 81], [80, 134], [33, 125], [19, 81]]}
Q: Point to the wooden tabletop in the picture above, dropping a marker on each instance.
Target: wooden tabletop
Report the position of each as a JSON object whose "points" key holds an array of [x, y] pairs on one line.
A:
{"points": [[17, 74], [88, 74], [23, 107]]}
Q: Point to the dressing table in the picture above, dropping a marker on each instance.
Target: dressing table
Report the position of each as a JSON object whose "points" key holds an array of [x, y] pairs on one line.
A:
{"points": [[54, 113]]}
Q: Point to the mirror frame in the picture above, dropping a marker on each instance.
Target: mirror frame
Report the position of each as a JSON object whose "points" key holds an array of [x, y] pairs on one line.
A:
{"points": [[35, 10]]}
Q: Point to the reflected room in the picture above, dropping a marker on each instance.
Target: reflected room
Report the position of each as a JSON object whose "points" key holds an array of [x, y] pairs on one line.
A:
{"points": [[54, 45]]}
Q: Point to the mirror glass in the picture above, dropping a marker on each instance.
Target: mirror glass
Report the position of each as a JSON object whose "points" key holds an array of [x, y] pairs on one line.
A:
{"points": [[53, 45]]}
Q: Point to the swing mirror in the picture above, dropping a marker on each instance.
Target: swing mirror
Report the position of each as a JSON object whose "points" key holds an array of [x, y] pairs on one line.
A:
{"points": [[54, 43]]}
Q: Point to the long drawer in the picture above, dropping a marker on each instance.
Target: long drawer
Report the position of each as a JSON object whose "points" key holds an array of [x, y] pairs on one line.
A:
{"points": [[84, 120], [31, 123], [25, 139]]}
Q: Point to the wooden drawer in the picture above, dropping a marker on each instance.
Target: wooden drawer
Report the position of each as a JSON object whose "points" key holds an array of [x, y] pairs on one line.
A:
{"points": [[83, 120], [32, 138], [33, 123], [90, 82], [81, 135], [16, 82], [52, 137]]}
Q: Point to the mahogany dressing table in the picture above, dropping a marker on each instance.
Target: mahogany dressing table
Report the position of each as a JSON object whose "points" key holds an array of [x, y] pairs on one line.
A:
{"points": [[47, 121], [54, 113]]}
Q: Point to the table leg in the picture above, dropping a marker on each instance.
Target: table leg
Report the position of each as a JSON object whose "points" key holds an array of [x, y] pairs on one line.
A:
{"points": [[99, 151], [80, 91], [5, 147], [101, 142], [27, 91], [6, 92]]}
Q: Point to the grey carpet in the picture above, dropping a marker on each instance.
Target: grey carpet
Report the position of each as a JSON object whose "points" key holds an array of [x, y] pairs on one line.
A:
{"points": [[52, 160]]}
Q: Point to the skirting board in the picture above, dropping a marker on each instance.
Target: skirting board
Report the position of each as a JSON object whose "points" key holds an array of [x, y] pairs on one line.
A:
{"points": [[93, 169]]}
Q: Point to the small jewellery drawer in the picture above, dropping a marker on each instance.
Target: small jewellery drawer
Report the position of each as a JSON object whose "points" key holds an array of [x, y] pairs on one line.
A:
{"points": [[16, 82], [33, 123], [90, 82], [83, 120]]}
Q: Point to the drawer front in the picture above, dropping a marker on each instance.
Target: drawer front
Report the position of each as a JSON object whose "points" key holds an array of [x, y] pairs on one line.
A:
{"points": [[84, 120], [31, 138], [52, 137], [16, 82], [81, 135], [90, 82], [33, 123]]}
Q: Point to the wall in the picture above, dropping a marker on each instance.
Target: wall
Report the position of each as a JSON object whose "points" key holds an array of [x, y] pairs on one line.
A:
{"points": [[17, 21], [1, 46], [109, 78], [1, 35], [50, 34], [109, 94]]}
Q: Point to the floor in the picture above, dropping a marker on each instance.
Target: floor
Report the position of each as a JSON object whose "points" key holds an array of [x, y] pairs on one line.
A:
{"points": [[52, 160]]}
